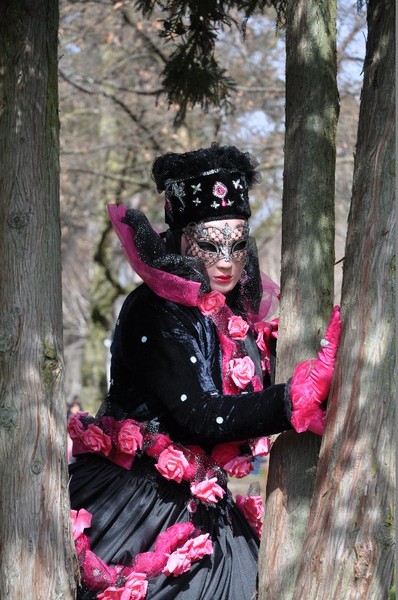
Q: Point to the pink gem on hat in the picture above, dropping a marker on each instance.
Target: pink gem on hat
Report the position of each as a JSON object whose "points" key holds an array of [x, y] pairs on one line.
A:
{"points": [[219, 190]]}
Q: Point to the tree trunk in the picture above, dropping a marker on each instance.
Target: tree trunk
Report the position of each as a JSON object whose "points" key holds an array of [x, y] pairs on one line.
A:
{"points": [[35, 538], [306, 274], [349, 546]]}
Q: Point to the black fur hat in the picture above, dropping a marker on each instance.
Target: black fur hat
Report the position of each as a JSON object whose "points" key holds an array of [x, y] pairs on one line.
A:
{"points": [[205, 184]]}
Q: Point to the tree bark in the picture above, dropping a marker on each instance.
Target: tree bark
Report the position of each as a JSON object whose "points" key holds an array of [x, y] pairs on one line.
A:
{"points": [[35, 538], [349, 547], [306, 272]]}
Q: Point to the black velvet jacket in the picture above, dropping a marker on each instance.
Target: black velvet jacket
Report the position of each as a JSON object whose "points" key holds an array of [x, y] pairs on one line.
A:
{"points": [[166, 368]]}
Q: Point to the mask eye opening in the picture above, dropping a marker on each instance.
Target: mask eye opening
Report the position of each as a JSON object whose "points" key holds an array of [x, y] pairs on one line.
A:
{"points": [[207, 246], [239, 246]]}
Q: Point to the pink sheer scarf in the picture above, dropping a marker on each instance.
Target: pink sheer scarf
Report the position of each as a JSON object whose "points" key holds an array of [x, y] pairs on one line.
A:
{"points": [[166, 285]]}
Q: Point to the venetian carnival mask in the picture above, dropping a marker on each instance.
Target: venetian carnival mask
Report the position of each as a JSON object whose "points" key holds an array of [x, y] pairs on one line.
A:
{"points": [[211, 244]]}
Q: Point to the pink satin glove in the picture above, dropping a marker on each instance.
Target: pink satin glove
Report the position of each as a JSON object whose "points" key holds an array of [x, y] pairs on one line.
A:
{"points": [[311, 381]]}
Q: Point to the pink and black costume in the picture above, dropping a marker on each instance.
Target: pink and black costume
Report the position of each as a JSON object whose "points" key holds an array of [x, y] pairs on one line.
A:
{"points": [[190, 402]]}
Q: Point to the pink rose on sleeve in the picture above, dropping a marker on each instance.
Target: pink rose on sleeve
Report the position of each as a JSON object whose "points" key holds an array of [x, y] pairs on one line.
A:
{"points": [[208, 490], [96, 440], [211, 302], [239, 467], [129, 438], [237, 328], [260, 446], [172, 464], [242, 371]]}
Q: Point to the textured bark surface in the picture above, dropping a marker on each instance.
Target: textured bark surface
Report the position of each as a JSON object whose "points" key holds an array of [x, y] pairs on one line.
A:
{"points": [[349, 547], [306, 275], [35, 539]]}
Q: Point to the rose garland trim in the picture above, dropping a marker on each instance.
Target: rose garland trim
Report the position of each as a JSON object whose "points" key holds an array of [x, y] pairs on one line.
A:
{"points": [[121, 441], [238, 368], [174, 552]]}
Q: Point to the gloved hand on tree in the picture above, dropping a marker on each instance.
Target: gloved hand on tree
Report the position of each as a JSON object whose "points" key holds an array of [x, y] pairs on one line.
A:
{"points": [[311, 381]]}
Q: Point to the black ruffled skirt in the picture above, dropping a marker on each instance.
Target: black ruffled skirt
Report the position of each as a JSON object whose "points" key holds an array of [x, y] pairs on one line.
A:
{"points": [[131, 508]]}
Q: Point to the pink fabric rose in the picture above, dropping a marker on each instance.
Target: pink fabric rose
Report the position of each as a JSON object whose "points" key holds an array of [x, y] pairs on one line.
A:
{"points": [[199, 547], [260, 446], [81, 519], [177, 563], [223, 453], [242, 371], [265, 331], [157, 442], [138, 585], [209, 303], [96, 440], [172, 464], [75, 426], [263, 335], [152, 563], [237, 328], [135, 588], [129, 439], [252, 508], [239, 467], [193, 550], [208, 490], [114, 593]]}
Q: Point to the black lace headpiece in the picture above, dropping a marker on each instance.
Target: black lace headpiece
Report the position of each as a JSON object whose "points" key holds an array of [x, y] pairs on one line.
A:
{"points": [[206, 184]]}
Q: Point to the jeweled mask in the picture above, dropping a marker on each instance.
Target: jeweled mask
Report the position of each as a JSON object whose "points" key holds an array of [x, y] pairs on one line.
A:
{"points": [[211, 244]]}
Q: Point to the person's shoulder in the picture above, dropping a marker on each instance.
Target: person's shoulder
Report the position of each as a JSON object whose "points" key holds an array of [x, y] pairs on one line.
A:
{"points": [[142, 297], [143, 301]]}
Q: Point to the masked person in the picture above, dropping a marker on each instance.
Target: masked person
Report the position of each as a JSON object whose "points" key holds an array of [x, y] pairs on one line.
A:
{"points": [[191, 398]]}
